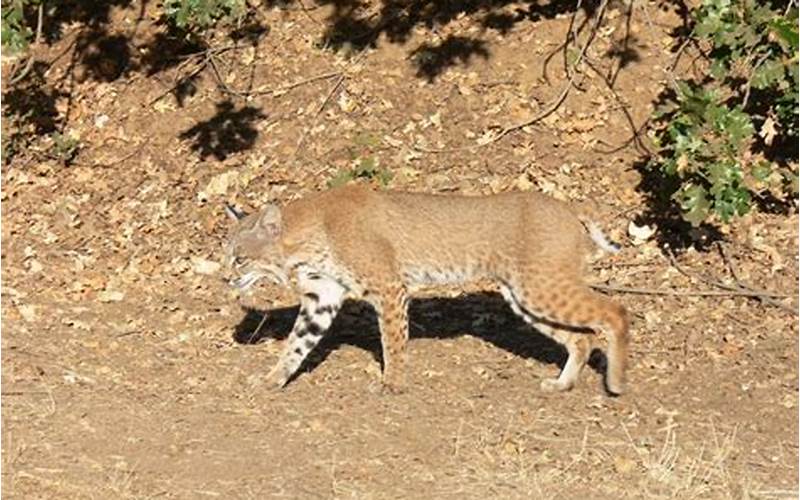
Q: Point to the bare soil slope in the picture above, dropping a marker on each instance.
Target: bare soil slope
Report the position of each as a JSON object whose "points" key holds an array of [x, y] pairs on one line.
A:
{"points": [[130, 369]]}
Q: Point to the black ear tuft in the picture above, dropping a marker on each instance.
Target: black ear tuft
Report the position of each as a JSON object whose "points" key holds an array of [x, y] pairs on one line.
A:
{"points": [[233, 212]]}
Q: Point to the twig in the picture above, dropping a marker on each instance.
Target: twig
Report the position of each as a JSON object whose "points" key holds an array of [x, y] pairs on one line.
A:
{"points": [[330, 94], [682, 293], [321, 108], [763, 297], [254, 335], [128, 333], [282, 90], [306, 12], [550, 108], [180, 81], [207, 60], [29, 64], [572, 36], [610, 84], [738, 290], [555, 103], [212, 63], [676, 58], [750, 79], [562, 47], [633, 138], [136, 150]]}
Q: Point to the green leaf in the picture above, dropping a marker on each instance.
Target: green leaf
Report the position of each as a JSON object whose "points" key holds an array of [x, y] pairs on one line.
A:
{"points": [[385, 176], [768, 73], [695, 204], [719, 68], [786, 31], [761, 171], [341, 178], [737, 126], [366, 167]]}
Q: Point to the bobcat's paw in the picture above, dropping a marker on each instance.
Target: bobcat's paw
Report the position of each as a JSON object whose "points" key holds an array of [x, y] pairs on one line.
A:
{"points": [[393, 385], [277, 378], [555, 385]]}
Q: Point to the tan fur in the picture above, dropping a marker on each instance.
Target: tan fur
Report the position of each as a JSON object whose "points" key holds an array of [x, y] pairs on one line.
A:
{"points": [[380, 245]]}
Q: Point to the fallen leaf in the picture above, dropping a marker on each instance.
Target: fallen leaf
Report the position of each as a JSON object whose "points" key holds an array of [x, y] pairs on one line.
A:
{"points": [[218, 185], [346, 103], [110, 296], [523, 182], [768, 131], [640, 234], [624, 465], [28, 312], [204, 266]]}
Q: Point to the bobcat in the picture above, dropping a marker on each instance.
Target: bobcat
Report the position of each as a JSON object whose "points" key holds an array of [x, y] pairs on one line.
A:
{"points": [[379, 246]]}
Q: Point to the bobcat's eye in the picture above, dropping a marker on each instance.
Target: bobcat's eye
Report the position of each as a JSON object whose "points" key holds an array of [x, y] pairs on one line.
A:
{"points": [[238, 261]]}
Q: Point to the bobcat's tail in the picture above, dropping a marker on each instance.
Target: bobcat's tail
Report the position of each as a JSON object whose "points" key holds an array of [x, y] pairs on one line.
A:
{"points": [[588, 213], [599, 238]]}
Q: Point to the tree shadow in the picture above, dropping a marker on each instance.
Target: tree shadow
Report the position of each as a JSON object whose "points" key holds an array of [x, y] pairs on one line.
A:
{"points": [[230, 130], [431, 60], [29, 109], [104, 48], [674, 234], [483, 315], [352, 24]]}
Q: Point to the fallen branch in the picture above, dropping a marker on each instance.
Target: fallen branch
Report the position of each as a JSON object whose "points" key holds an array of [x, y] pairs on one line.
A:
{"points": [[207, 60], [178, 83], [555, 103], [726, 290], [684, 293], [764, 297], [283, 90], [636, 132]]}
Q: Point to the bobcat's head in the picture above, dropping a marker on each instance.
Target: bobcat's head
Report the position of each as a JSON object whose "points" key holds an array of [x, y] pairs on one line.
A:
{"points": [[253, 250]]}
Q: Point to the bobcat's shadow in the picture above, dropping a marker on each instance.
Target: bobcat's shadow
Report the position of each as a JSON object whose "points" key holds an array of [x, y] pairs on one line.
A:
{"points": [[483, 315]]}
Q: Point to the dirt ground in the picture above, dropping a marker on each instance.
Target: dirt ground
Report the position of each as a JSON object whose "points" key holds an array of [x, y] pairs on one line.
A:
{"points": [[130, 369]]}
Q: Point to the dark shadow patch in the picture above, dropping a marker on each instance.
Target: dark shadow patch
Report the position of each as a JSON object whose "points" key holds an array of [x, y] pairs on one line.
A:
{"points": [[501, 21], [354, 25], [29, 110], [674, 233], [482, 315], [95, 14], [250, 30], [166, 50], [432, 60], [104, 57], [230, 130], [277, 324]]}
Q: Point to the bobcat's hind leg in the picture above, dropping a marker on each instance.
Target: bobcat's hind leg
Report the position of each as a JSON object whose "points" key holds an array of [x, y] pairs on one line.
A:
{"points": [[578, 306], [578, 345]]}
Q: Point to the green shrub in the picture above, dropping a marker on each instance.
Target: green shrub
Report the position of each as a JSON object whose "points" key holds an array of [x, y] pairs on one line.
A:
{"points": [[200, 14], [16, 35], [709, 153], [365, 168]]}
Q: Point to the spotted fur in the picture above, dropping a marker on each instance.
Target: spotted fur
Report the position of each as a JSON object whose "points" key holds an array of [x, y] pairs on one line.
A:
{"points": [[380, 246]]}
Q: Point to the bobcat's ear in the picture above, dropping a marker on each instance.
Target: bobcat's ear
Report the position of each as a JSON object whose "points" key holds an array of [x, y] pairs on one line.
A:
{"points": [[233, 212], [270, 220]]}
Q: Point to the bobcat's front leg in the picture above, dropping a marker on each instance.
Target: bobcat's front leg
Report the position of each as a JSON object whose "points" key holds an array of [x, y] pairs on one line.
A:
{"points": [[391, 305], [321, 300]]}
